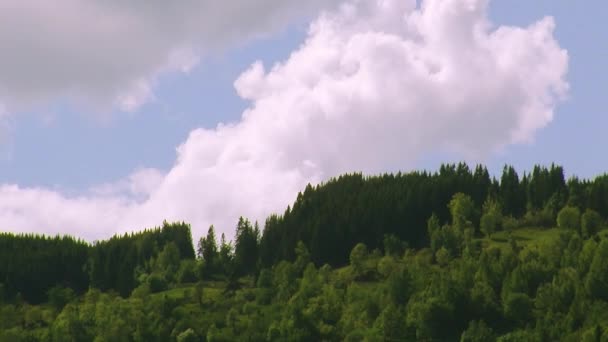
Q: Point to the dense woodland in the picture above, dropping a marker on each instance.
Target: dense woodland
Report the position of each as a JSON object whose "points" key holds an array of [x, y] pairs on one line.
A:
{"points": [[453, 255]]}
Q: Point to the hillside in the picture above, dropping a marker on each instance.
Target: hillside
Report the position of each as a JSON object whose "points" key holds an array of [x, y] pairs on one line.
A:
{"points": [[446, 256], [499, 292]]}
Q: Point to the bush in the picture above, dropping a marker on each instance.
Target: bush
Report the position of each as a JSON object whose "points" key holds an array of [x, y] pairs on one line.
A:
{"points": [[442, 256], [538, 218], [477, 331], [510, 223], [569, 218], [187, 272], [518, 307], [157, 283], [591, 222], [60, 296], [358, 255]]}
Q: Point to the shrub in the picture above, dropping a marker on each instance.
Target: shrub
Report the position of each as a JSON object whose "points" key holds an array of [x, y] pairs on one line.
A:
{"points": [[569, 218]]}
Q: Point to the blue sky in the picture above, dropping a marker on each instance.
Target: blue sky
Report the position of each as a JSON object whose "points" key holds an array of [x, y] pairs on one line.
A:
{"points": [[58, 153], [67, 147], [45, 154]]}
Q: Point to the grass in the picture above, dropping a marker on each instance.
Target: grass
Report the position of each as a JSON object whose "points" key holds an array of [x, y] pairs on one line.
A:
{"points": [[527, 237], [524, 237], [212, 290]]}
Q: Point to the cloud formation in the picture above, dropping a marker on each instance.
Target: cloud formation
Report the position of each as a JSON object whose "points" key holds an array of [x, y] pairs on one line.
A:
{"points": [[376, 85], [110, 53]]}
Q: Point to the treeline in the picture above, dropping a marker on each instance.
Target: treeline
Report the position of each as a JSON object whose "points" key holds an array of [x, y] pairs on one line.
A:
{"points": [[426, 256], [542, 286], [332, 217], [112, 264], [32, 265], [329, 219]]}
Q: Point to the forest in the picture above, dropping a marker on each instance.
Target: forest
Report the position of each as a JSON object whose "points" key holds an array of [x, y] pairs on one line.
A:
{"points": [[450, 255]]}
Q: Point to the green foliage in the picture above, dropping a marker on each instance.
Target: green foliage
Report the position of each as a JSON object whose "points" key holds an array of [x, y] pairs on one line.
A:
{"points": [[442, 256], [510, 223], [393, 246], [542, 297], [591, 222], [569, 218], [331, 218], [431, 317], [491, 219], [449, 238], [157, 283], [208, 251], [391, 324], [597, 278], [512, 192], [168, 261], [187, 335], [518, 307], [302, 257], [112, 264], [226, 256], [357, 258], [246, 247], [187, 272], [400, 287], [60, 297], [478, 331], [31, 265], [462, 210], [442, 283]]}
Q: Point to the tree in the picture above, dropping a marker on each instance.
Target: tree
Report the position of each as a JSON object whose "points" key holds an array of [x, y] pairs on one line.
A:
{"points": [[518, 307], [157, 282], [591, 222], [442, 256], [302, 257], [187, 272], [226, 255], [246, 247], [477, 331], [168, 261], [483, 300], [597, 278], [432, 226], [60, 297], [569, 218], [512, 192], [462, 210], [393, 246], [207, 250], [491, 218], [400, 287], [430, 317], [391, 323], [357, 259]]}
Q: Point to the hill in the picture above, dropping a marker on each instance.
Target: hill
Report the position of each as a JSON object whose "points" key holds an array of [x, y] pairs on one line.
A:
{"points": [[445, 256]]}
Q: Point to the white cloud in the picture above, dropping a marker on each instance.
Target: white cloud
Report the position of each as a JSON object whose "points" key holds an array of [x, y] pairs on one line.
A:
{"points": [[375, 85], [110, 53]]}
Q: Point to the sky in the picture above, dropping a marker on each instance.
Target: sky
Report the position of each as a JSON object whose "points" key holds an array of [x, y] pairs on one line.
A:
{"points": [[115, 116]]}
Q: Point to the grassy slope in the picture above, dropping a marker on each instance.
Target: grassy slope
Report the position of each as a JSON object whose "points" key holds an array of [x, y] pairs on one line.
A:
{"points": [[525, 237]]}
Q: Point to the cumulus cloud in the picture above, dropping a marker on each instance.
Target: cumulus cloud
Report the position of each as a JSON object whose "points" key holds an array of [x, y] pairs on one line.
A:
{"points": [[110, 53], [375, 85]]}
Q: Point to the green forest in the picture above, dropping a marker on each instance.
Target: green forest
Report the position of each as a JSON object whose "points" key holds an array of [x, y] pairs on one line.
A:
{"points": [[450, 255]]}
